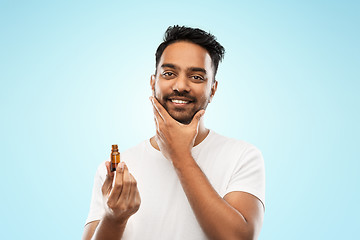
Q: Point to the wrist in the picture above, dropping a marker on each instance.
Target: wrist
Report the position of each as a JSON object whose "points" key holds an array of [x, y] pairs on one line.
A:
{"points": [[116, 221], [184, 160]]}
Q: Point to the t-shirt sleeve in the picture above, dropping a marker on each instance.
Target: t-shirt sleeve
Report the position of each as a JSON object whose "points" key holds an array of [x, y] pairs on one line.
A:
{"points": [[249, 174], [97, 208]]}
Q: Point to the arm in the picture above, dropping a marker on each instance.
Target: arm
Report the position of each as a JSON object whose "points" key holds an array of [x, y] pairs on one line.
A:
{"points": [[104, 229], [238, 215], [89, 230], [123, 200]]}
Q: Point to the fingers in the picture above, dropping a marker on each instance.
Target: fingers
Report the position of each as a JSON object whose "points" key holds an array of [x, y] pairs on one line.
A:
{"points": [[107, 185], [134, 196], [118, 185], [137, 199], [124, 195], [133, 188], [157, 117], [159, 120], [108, 169], [159, 109], [127, 185], [196, 119]]}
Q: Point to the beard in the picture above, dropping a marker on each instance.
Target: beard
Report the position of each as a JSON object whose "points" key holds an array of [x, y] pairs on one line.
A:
{"points": [[183, 115]]}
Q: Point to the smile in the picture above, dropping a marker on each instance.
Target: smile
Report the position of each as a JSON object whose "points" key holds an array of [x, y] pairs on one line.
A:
{"points": [[179, 101]]}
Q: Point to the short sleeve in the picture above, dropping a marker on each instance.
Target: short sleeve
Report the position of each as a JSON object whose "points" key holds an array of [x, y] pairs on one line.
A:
{"points": [[97, 209], [249, 174]]}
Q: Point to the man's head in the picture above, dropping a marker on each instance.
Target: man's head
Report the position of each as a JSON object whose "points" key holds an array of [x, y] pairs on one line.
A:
{"points": [[186, 64], [194, 35]]}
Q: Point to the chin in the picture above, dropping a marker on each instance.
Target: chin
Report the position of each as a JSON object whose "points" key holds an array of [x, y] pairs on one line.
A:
{"points": [[183, 119]]}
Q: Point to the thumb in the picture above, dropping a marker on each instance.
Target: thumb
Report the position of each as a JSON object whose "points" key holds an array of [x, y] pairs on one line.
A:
{"points": [[197, 117]]}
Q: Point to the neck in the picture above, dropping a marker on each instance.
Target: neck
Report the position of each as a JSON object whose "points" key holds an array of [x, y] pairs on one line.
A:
{"points": [[202, 134]]}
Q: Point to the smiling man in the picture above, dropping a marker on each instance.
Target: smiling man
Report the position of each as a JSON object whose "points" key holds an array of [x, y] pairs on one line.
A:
{"points": [[184, 80], [193, 182]]}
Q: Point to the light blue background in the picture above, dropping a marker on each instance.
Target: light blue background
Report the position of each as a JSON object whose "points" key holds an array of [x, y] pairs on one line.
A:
{"points": [[75, 79]]}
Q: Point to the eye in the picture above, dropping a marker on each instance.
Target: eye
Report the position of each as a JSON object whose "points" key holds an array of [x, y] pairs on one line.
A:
{"points": [[199, 78], [168, 74]]}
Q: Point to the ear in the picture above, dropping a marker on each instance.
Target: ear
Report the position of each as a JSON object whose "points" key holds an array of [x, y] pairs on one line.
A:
{"points": [[152, 82], [213, 90]]}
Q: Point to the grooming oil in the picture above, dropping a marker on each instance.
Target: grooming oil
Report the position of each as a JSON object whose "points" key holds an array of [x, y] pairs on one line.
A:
{"points": [[115, 157]]}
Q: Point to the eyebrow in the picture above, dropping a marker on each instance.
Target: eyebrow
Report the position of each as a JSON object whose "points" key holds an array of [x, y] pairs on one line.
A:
{"points": [[191, 69], [169, 65], [196, 69]]}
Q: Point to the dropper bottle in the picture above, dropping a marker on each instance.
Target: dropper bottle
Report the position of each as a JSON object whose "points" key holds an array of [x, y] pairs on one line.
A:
{"points": [[115, 157]]}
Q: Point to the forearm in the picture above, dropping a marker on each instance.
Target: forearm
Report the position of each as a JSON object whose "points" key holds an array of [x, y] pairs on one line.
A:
{"points": [[109, 229], [216, 217]]}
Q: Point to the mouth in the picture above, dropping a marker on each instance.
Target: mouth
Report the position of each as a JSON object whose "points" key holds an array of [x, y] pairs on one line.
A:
{"points": [[180, 102]]}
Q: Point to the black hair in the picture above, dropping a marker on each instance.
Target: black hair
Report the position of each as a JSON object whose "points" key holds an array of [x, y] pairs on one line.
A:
{"points": [[195, 35]]}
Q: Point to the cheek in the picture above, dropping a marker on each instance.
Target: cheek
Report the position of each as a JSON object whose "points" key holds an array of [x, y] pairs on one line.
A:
{"points": [[204, 99], [159, 90], [162, 86], [204, 93]]}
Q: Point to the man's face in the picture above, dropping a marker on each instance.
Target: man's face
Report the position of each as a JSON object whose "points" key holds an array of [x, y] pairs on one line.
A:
{"points": [[184, 80]]}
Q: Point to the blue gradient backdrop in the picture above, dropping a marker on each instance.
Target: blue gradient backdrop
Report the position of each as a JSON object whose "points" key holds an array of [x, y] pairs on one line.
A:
{"points": [[75, 79]]}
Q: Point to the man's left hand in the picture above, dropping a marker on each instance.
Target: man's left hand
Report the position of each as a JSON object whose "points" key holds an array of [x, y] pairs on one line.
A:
{"points": [[174, 139]]}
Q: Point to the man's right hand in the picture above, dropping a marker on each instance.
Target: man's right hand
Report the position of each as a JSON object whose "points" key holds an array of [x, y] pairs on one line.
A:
{"points": [[120, 193], [122, 200]]}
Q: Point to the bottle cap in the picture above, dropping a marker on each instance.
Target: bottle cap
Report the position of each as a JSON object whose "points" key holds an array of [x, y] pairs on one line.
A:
{"points": [[114, 147]]}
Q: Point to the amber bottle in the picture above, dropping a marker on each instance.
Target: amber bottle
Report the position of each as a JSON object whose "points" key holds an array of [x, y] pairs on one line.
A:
{"points": [[115, 157]]}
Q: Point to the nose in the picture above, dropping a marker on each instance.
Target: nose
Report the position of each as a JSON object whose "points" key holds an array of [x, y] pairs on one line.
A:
{"points": [[181, 84]]}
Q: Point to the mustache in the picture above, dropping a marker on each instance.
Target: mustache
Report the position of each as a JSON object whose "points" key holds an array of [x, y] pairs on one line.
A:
{"points": [[180, 94]]}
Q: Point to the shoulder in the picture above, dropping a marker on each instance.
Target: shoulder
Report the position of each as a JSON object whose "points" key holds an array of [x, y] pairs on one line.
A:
{"points": [[246, 166], [233, 145]]}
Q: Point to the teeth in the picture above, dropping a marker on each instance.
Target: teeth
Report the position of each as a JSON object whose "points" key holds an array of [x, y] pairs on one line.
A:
{"points": [[179, 101]]}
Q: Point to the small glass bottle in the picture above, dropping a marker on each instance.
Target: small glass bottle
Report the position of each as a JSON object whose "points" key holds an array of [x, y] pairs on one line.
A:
{"points": [[115, 157]]}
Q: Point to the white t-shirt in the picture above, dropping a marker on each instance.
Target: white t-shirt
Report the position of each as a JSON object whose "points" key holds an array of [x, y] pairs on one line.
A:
{"points": [[165, 213]]}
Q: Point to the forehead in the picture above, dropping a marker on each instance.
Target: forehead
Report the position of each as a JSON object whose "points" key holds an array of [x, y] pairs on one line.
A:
{"points": [[186, 55]]}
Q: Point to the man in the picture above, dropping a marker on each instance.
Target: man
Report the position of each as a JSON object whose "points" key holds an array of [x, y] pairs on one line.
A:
{"points": [[193, 182]]}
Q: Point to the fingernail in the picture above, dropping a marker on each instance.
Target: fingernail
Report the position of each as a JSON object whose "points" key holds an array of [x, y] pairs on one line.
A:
{"points": [[122, 166]]}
